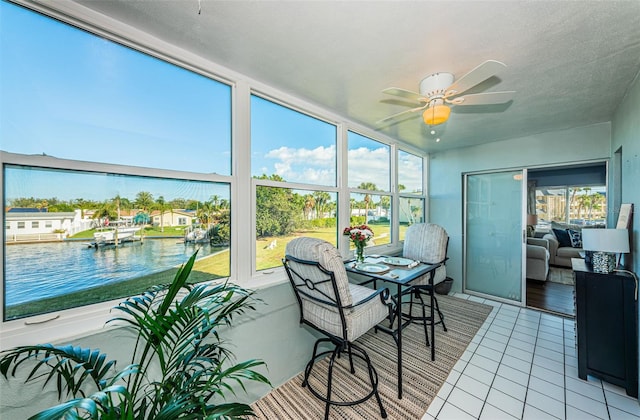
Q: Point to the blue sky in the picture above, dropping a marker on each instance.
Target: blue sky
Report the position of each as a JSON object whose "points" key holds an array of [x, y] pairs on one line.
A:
{"points": [[78, 96], [70, 94]]}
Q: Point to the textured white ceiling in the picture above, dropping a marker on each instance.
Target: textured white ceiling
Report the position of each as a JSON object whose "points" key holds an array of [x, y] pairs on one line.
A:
{"points": [[570, 62]]}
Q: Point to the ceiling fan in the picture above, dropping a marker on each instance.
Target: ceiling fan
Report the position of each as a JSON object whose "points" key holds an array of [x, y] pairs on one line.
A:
{"points": [[440, 90]]}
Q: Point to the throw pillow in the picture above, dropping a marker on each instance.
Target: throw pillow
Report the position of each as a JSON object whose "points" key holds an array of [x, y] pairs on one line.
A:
{"points": [[563, 237], [576, 238]]}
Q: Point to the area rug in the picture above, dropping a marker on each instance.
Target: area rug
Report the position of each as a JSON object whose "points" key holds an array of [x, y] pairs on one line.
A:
{"points": [[560, 275], [422, 378]]}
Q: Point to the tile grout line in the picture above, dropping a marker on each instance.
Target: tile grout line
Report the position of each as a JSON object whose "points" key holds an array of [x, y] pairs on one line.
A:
{"points": [[496, 309], [521, 314]]}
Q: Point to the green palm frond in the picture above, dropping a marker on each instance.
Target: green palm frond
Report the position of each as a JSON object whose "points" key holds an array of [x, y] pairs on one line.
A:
{"points": [[177, 328], [68, 366], [96, 406]]}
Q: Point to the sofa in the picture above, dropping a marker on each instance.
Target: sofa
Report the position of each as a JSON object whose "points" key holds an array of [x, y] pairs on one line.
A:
{"points": [[565, 242], [537, 259]]}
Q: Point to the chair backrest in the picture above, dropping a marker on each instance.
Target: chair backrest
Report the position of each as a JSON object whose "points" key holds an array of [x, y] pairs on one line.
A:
{"points": [[427, 242], [318, 277]]}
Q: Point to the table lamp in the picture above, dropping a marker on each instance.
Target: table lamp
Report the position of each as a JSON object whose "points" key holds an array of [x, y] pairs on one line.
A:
{"points": [[606, 244]]}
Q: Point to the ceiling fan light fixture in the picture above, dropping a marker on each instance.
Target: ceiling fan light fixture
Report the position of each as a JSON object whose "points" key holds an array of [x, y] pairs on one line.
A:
{"points": [[436, 114]]}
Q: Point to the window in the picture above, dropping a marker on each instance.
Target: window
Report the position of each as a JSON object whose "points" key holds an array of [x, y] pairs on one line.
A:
{"points": [[105, 258], [410, 174], [369, 163], [143, 148], [289, 147], [294, 146], [283, 213], [373, 210], [103, 102], [580, 205], [411, 211], [142, 155]]}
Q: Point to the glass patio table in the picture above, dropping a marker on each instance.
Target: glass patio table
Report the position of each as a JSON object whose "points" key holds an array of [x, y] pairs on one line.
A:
{"points": [[401, 276]]}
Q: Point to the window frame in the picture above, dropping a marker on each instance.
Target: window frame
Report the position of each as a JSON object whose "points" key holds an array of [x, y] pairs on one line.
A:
{"points": [[566, 199], [80, 321], [93, 316], [258, 276]]}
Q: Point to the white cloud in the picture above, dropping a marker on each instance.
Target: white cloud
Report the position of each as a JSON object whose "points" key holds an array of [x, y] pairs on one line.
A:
{"points": [[410, 172], [317, 166], [366, 165], [311, 166]]}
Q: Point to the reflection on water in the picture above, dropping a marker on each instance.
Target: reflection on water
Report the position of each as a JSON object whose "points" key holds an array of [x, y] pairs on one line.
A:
{"points": [[36, 271]]}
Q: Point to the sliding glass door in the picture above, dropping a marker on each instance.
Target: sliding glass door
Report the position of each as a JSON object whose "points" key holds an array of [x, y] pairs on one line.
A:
{"points": [[494, 249]]}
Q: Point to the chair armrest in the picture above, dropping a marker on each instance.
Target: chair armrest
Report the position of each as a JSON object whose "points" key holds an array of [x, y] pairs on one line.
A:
{"points": [[539, 242], [383, 292], [537, 252], [553, 247]]}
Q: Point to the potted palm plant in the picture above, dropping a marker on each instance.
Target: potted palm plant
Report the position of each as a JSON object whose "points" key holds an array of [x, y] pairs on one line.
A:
{"points": [[179, 367]]}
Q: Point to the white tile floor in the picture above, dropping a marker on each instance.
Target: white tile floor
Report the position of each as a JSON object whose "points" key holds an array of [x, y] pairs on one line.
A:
{"points": [[522, 365]]}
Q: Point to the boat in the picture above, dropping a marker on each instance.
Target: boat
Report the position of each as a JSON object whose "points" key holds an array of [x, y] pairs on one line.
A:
{"points": [[196, 235], [115, 234]]}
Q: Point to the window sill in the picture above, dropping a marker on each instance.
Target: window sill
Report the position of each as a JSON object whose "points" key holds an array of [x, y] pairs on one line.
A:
{"points": [[56, 327]]}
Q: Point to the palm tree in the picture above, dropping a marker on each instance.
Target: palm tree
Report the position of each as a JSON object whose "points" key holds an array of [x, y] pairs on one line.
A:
{"points": [[179, 367], [385, 202], [161, 205], [321, 198], [215, 202], [144, 200], [309, 204], [352, 205], [204, 213], [367, 197]]}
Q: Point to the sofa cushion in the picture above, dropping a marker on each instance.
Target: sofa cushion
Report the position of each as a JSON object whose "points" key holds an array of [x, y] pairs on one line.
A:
{"points": [[568, 252], [563, 237], [576, 238]]}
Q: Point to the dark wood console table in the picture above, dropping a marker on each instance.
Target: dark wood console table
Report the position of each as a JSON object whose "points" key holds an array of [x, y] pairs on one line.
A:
{"points": [[607, 326]]}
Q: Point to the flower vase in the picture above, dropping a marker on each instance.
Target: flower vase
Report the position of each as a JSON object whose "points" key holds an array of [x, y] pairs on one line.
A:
{"points": [[359, 253]]}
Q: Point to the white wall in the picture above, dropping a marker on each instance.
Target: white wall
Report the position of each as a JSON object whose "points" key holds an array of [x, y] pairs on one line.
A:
{"points": [[446, 169]]}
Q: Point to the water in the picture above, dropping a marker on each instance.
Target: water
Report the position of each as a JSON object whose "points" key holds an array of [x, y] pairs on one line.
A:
{"points": [[36, 271]]}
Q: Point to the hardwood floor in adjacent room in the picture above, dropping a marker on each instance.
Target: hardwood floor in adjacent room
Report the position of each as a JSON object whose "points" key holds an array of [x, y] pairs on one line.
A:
{"points": [[552, 297]]}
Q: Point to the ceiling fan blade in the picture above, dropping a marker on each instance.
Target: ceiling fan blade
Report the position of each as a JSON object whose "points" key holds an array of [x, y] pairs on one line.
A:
{"points": [[394, 116], [405, 94], [479, 74], [487, 98]]}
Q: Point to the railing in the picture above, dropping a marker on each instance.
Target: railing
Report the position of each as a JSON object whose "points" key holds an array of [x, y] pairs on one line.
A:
{"points": [[34, 237]]}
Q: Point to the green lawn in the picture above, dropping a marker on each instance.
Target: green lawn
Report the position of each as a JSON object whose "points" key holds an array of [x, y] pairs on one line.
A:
{"points": [[269, 258]]}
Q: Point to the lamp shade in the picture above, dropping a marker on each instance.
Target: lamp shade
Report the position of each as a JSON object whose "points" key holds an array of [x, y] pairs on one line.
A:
{"points": [[436, 114], [532, 219], [606, 240]]}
